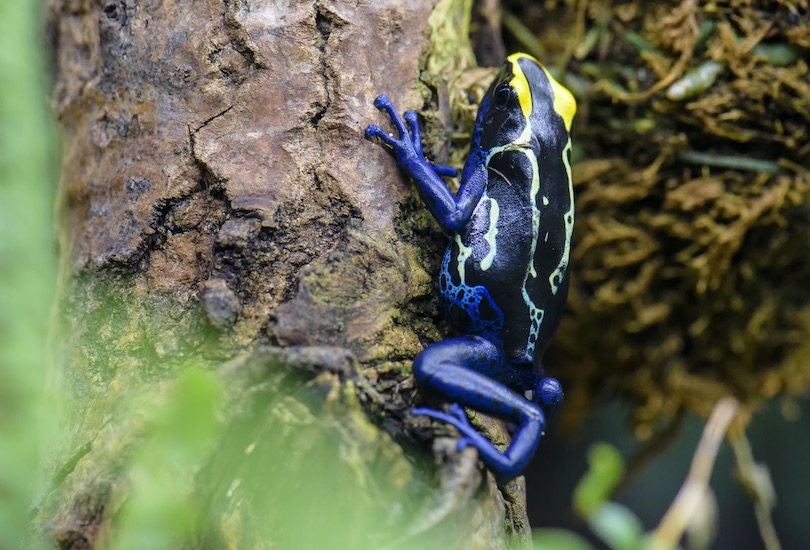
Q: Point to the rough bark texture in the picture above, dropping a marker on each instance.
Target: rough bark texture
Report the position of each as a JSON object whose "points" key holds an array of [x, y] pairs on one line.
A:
{"points": [[217, 196]]}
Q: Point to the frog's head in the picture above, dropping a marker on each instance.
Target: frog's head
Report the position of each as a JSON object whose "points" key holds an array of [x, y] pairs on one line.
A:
{"points": [[524, 101]]}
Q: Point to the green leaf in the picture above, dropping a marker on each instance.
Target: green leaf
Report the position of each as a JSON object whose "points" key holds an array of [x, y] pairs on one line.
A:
{"points": [[606, 471], [617, 526]]}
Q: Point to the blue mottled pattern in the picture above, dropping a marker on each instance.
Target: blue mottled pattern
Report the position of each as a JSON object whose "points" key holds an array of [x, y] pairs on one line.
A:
{"points": [[470, 299]]}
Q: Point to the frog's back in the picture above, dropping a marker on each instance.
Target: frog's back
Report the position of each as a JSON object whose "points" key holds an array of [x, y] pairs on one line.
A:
{"points": [[511, 249]]}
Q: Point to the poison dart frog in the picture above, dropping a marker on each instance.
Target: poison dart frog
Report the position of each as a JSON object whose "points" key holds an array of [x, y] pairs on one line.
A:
{"points": [[504, 276]]}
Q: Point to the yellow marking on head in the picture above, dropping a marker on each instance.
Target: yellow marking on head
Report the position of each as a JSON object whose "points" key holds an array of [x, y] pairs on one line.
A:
{"points": [[520, 84], [564, 103]]}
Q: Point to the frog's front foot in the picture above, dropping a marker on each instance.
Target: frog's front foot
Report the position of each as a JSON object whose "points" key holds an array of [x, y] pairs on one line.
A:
{"points": [[407, 147], [403, 145]]}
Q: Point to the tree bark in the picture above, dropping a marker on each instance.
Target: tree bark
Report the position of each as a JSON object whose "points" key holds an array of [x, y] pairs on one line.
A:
{"points": [[220, 209]]}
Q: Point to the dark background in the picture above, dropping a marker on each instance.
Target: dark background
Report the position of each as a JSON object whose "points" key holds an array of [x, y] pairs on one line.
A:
{"points": [[782, 445]]}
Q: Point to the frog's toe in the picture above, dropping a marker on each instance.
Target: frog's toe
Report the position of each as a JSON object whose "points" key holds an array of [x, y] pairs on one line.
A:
{"points": [[463, 443], [382, 102], [438, 415], [456, 417], [458, 412], [442, 171], [413, 122], [413, 125], [432, 413], [373, 131]]}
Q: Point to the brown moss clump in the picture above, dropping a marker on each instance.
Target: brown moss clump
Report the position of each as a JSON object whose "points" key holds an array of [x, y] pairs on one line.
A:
{"points": [[691, 277]]}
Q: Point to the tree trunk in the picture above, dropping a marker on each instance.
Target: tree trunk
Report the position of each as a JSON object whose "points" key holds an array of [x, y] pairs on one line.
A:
{"points": [[222, 214]]}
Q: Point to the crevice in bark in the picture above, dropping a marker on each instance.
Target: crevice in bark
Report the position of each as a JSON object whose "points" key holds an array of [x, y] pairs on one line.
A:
{"points": [[62, 473], [323, 24], [162, 221], [206, 123], [208, 178], [238, 35], [68, 467]]}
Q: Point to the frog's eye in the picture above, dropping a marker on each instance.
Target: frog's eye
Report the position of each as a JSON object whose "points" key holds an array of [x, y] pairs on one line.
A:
{"points": [[502, 95]]}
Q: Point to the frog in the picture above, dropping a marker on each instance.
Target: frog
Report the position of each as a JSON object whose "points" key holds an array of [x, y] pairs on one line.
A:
{"points": [[504, 277]]}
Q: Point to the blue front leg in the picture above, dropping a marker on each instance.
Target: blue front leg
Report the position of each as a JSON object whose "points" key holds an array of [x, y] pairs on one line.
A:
{"points": [[454, 369], [452, 212]]}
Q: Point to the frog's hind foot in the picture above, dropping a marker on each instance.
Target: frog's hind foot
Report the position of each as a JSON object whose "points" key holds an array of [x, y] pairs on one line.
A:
{"points": [[457, 417]]}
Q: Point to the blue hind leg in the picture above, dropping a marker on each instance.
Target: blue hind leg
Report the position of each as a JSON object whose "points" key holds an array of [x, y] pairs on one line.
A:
{"points": [[454, 369]]}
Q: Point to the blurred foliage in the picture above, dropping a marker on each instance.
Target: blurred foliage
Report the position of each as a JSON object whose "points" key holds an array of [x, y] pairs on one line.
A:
{"points": [[612, 522], [260, 451], [162, 507], [606, 471], [302, 467], [615, 525], [27, 261]]}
